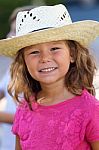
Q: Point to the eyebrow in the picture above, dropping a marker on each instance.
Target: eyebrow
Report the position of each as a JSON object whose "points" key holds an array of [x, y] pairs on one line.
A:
{"points": [[53, 43]]}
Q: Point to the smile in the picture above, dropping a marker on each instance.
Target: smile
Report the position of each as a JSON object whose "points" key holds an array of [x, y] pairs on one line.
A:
{"points": [[48, 69]]}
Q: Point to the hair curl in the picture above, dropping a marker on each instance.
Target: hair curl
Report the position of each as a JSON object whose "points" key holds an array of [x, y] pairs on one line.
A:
{"points": [[79, 76]]}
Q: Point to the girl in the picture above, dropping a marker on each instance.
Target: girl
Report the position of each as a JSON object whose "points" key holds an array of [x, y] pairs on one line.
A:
{"points": [[53, 70]]}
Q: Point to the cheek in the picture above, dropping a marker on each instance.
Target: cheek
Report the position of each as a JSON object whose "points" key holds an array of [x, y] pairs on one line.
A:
{"points": [[30, 61], [31, 65], [64, 58], [65, 61], [31, 71]]}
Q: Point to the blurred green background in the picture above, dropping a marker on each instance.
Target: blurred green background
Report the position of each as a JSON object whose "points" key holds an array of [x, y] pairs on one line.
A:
{"points": [[79, 10], [6, 8]]}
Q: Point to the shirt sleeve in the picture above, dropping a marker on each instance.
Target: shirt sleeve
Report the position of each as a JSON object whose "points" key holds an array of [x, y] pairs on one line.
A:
{"points": [[16, 122], [92, 131], [21, 111]]}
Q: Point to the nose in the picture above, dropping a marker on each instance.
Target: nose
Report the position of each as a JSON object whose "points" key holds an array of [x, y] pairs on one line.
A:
{"points": [[45, 56]]}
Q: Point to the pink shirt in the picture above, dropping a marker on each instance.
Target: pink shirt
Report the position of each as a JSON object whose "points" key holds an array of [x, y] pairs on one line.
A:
{"points": [[69, 125]]}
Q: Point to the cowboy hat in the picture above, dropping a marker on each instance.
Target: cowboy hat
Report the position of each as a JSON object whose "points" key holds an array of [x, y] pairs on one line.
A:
{"points": [[46, 24]]}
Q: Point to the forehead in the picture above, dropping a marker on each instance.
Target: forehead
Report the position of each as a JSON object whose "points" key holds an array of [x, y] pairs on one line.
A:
{"points": [[53, 43]]}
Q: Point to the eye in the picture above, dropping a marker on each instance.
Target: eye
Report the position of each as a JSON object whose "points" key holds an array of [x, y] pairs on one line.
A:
{"points": [[35, 52], [55, 48]]}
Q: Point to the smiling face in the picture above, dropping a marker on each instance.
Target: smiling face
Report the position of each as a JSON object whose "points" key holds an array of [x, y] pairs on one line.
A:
{"points": [[48, 62]]}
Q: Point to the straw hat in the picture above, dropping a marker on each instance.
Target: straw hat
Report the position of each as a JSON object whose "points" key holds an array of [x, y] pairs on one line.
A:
{"points": [[45, 24]]}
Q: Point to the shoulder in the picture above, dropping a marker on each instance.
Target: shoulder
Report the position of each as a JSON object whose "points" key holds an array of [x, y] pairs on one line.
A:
{"points": [[89, 99], [21, 111], [87, 103], [23, 106], [90, 103], [92, 108]]}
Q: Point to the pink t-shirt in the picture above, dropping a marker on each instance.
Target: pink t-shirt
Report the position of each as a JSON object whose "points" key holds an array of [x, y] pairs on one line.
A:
{"points": [[69, 125]]}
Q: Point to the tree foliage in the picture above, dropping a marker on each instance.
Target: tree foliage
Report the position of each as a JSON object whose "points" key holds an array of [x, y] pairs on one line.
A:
{"points": [[6, 8]]}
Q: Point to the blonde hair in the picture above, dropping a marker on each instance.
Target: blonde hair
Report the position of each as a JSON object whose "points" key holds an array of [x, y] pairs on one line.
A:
{"points": [[79, 76]]}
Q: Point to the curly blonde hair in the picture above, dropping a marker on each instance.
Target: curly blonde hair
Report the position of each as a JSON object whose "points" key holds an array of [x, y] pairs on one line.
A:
{"points": [[79, 76]]}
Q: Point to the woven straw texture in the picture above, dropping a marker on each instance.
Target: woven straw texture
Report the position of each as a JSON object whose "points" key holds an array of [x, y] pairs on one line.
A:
{"points": [[83, 31]]}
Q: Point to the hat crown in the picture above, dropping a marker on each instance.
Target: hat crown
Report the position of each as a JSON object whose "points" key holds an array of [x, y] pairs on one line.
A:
{"points": [[41, 18]]}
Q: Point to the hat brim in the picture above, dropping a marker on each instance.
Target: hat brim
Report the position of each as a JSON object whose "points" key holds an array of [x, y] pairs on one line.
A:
{"points": [[83, 31]]}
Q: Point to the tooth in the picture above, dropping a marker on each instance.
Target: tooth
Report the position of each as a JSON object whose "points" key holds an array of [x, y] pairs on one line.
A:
{"points": [[49, 69]]}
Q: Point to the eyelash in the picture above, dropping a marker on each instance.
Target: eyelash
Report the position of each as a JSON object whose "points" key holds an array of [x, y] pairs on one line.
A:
{"points": [[54, 48], [34, 52]]}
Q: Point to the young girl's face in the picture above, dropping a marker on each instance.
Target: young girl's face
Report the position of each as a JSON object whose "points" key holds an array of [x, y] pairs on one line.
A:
{"points": [[48, 62]]}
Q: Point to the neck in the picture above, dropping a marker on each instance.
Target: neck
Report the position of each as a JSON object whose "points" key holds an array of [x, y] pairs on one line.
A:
{"points": [[52, 94]]}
